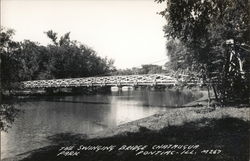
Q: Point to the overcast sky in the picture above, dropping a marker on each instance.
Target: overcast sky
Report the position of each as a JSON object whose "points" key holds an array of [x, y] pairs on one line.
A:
{"points": [[128, 31]]}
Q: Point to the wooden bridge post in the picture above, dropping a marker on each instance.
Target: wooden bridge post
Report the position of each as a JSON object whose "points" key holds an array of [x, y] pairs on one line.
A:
{"points": [[49, 91], [135, 84]]}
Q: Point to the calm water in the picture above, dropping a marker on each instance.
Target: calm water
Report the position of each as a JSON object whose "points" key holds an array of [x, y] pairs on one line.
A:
{"points": [[48, 116]]}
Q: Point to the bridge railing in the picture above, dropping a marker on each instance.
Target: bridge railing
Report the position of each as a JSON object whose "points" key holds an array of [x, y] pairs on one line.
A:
{"points": [[153, 79]]}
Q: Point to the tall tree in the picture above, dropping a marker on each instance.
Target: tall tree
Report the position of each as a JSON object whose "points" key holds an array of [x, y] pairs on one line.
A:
{"points": [[215, 33], [9, 50], [73, 59]]}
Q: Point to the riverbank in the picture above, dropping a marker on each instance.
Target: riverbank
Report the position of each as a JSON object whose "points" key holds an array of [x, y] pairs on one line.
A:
{"points": [[224, 129]]}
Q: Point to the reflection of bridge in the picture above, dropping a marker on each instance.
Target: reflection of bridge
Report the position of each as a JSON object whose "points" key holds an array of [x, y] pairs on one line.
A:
{"points": [[126, 80]]}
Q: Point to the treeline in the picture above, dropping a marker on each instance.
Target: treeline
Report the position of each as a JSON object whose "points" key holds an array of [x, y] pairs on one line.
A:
{"points": [[212, 40], [144, 69], [63, 58]]}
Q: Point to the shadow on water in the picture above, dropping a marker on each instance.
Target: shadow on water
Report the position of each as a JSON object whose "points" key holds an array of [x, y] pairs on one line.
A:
{"points": [[230, 135]]}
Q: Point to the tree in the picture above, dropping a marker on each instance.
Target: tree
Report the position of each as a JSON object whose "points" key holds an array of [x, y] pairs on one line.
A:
{"points": [[204, 28], [151, 69], [9, 64], [9, 50], [178, 54], [30, 55], [28, 60], [71, 59]]}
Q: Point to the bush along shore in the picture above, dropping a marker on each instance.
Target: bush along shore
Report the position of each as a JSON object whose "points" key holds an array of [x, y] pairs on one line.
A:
{"points": [[191, 133]]}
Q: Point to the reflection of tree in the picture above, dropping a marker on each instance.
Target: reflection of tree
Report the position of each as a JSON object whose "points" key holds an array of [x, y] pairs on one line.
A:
{"points": [[8, 113]]}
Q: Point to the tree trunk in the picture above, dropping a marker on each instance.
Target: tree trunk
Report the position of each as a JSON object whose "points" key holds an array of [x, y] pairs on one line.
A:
{"points": [[215, 93], [209, 97]]}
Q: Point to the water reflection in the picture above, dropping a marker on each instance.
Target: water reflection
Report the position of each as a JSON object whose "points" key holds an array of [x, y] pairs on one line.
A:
{"points": [[82, 114]]}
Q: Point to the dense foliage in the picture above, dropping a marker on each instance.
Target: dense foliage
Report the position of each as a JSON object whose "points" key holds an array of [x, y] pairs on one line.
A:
{"points": [[144, 69], [211, 38], [8, 114], [64, 58]]}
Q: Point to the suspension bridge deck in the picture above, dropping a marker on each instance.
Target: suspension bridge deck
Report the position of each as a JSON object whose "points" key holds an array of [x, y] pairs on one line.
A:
{"points": [[124, 80]]}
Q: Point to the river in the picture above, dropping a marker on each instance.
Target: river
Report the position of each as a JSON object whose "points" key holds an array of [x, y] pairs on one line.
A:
{"points": [[44, 117]]}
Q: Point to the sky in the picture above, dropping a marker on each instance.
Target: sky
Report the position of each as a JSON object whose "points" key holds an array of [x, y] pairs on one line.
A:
{"points": [[128, 31]]}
